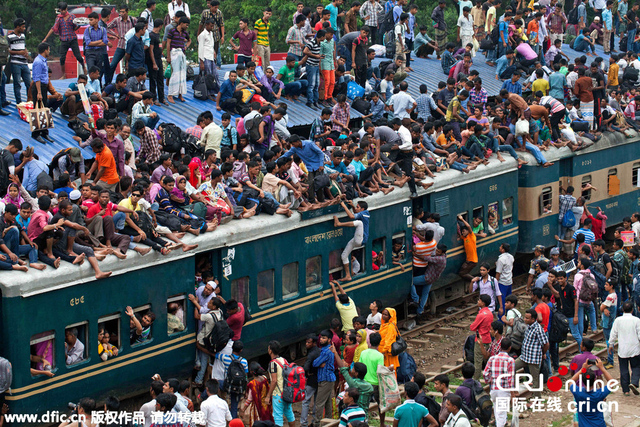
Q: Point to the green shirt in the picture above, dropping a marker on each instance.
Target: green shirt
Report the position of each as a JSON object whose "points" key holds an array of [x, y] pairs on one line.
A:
{"points": [[288, 74], [262, 31], [478, 229], [410, 413], [326, 49], [372, 358], [365, 389]]}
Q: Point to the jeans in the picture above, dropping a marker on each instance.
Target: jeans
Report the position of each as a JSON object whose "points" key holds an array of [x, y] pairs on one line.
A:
{"points": [[204, 362], [20, 71], [268, 195], [233, 408], [150, 122], [306, 404], [3, 93], [119, 220], [584, 46], [420, 282], [243, 59], [495, 147], [536, 153], [345, 53], [607, 333], [591, 313], [625, 380], [553, 352], [295, 88], [93, 57], [313, 81], [505, 290], [631, 35], [12, 240], [491, 55], [117, 57], [575, 331]]}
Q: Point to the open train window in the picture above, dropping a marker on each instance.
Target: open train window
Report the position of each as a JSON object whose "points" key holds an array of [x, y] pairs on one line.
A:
{"points": [[399, 247], [545, 201], [478, 224], [265, 287], [290, 280], [586, 193], [76, 339], [313, 272], [358, 261], [335, 264], [613, 182], [109, 335], [493, 218], [176, 306], [634, 174], [507, 211], [147, 329], [379, 247], [42, 353], [240, 290]]}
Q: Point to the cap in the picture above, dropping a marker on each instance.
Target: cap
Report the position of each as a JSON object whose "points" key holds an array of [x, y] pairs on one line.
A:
{"points": [[213, 284], [373, 254], [75, 155], [539, 248], [555, 251], [75, 195], [236, 422], [597, 18]]}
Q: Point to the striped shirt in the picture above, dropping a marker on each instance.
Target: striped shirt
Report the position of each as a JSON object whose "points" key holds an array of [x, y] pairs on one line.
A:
{"points": [[500, 364], [314, 48], [218, 22], [226, 361], [589, 237], [17, 42], [423, 249], [371, 10], [350, 414], [262, 30], [294, 34], [177, 38], [121, 29]]}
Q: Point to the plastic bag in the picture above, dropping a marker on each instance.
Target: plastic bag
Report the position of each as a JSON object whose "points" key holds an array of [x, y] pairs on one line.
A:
{"points": [[167, 72], [389, 391], [522, 127]]}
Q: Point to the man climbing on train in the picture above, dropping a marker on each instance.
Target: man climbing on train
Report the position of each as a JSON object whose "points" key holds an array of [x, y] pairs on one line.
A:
{"points": [[361, 223]]}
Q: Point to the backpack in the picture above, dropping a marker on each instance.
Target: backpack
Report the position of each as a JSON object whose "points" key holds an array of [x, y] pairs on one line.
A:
{"points": [[56, 158], [589, 289], [623, 270], [236, 380], [293, 382], [495, 35], [252, 126], [6, 375], [387, 23], [432, 406], [390, 44], [572, 17], [559, 327], [383, 67], [630, 74], [569, 219], [623, 43], [361, 105], [517, 333], [600, 278], [200, 88], [469, 343], [4, 50], [219, 336], [483, 404], [171, 138], [407, 367]]}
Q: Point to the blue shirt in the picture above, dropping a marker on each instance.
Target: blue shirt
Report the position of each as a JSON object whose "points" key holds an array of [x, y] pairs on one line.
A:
{"points": [[377, 110], [135, 48], [364, 217], [607, 18], [504, 29], [556, 85], [589, 416], [40, 72], [309, 153], [542, 280], [333, 20], [325, 373], [411, 24], [93, 35], [31, 172], [397, 11], [229, 136], [226, 90], [512, 87], [501, 65], [93, 86]]}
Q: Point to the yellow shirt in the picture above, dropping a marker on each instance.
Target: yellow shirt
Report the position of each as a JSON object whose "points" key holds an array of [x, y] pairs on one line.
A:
{"points": [[542, 85], [613, 74], [126, 203]]}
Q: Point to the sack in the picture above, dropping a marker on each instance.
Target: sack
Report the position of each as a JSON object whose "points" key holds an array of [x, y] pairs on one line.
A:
{"points": [[559, 327], [469, 345], [23, 110], [522, 127], [268, 206], [407, 367], [517, 333], [200, 88], [319, 182], [390, 44], [219, 336], [40, 118], [389, 391], [259, 99], [569, 219], [252, 126], [4, 51], [361, 105], [572, 17], [171, 138], [294, 382], [247, 94], [236, 380], [354, 90], [589, 289], [399, 346], [6, 375]]}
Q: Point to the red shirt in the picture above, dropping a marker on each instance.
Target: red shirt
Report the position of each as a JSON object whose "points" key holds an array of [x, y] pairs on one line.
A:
{"points": [[482, 324], [235, 322], [596, 226], [544, 310], [96, 208]]}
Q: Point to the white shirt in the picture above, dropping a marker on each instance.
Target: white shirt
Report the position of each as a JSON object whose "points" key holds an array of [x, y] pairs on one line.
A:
{"points": [[147, 409], [175, 7], [374, 319], [626, 330], [218, 371], [405, 135], [401, 102], [457, 420], [75, 354], [466, 25], [504, 266], [636, 228], [216, 411], [205, 46], [438, 230], [598, 4]]}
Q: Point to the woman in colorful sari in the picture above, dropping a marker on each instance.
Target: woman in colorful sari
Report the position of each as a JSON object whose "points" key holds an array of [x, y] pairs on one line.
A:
{"points": [[43, 358], [389, 333], [256, 406]]}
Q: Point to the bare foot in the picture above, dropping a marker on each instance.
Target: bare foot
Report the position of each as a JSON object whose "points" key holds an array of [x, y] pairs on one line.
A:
{"points": [[175, 246], [285, 206], [143, 251], [212, 226], [425, 186], [50, 255], [345, 279], [546, 165], [249, 213], [20, 267], [522, 162], [386, 190], [185, 227], [472, 167], [186, 248], [335, 221], [103, 275], [170, 99], [180, 235], [194, 231], [501, 159], [119, 254], [37, 266], [79, 259], [100, 257], [56, 263]]}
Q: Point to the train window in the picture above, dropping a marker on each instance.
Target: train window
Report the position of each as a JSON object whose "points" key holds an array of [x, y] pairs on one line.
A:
{"points": [[175, 314], [478, 219], [399, 252], [42, 353], [507, 211], [290, 279], [146, 317], [613, 182], [313, 272], [109, 336], [358, 261], [76, 339], [634, 174], [493, 218], [265, 287], [240, 290], [335, 264], [379, 247], [545, 201], [586, 193], [464, 215]]}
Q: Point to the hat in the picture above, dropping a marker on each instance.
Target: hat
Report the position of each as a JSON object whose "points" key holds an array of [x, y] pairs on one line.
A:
{"points": [[270, 67], [597, 18], [75, 155], [75, 195], [213, 284], [555, 251], [539, 248]]}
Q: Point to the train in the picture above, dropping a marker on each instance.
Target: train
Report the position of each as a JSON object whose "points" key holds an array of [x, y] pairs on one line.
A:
{"points": [[280, 268]]}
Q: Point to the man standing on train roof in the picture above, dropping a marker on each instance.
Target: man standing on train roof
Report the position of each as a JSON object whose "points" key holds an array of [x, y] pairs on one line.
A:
{"points": [[361, 223], [345, 305], [538, 255]]}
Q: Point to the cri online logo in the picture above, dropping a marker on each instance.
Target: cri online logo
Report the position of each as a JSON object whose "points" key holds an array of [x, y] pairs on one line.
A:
{"points": [[554, 383]]}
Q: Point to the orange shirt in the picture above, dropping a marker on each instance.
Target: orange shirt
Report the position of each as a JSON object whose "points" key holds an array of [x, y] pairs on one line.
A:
{"points": [[470, 247], [545, 311], [533, 27], [105, 159]]}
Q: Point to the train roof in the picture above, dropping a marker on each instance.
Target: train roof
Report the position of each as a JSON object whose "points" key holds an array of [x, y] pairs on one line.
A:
{"points": [[15, 283]]}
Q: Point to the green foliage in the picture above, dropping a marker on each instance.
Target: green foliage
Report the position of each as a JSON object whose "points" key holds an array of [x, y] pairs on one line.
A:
{"points": [[39, 15]]}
